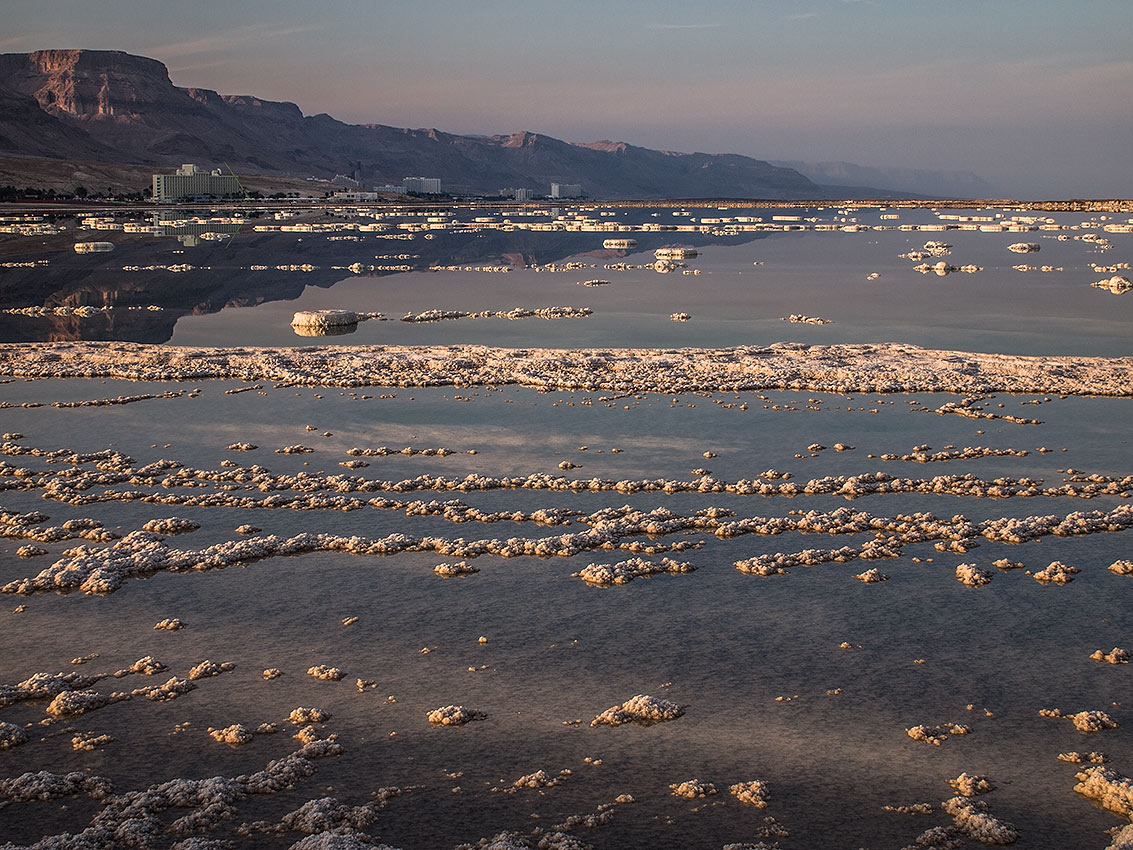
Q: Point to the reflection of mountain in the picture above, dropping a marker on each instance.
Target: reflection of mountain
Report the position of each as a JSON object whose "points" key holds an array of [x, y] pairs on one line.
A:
{"points": [[98, 280], [110, 106]]}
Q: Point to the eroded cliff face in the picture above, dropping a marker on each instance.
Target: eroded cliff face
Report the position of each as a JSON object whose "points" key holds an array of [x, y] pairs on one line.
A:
{"points": [[89, 85]]}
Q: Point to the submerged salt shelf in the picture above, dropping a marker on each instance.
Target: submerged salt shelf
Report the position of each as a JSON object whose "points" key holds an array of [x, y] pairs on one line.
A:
{"points": [[556, 590]]}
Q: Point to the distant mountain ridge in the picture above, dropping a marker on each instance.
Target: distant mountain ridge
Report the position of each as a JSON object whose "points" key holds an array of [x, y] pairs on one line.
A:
{"points": [[953, 184], [112, 106]]}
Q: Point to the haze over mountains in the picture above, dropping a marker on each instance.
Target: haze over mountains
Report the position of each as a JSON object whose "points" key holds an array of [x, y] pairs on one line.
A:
{"points": [[114, 107]]}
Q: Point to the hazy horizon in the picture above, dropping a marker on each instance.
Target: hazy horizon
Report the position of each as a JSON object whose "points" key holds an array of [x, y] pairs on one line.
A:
{"points": [[1024, 94]]}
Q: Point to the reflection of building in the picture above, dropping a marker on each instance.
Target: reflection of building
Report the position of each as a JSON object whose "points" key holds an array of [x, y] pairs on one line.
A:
{"points": [[566, 190], [190, 231], [190, 182], [423, 185]]}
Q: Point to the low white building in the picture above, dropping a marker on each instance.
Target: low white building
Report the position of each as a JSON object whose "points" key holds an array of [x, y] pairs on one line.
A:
{"points": [[423, 185], [566, 190]]}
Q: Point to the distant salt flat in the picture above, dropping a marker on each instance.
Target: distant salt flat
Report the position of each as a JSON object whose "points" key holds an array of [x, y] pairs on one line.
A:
{"points": [[881, 367]]}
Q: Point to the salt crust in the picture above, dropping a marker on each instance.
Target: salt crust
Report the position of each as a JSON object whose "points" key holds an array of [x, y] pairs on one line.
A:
{"points": [[937, 735], [1082, 758], [973, 820], [460, 568], [870, 368], [140, 553], [755, 793], [11, 735], [169, 625], [692, 789], [972, 576], [1108, 788], [969, 785], [234, 735], [89, 741], [624, 572], [1122, 568], [1114, 656], [137, 818], [1056, 573], [454, 715], [871, 576], [171, 525], [208, 668], [302, 716], [642, 709], [1085, 722], [327, 674]]}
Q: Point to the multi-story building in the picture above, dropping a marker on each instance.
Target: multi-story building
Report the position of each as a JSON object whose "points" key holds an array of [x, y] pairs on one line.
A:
{"points": [[423, 185], [190, 182], [566, 190]]}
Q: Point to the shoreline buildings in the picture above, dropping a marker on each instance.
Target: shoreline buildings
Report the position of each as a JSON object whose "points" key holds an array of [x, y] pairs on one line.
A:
{"points": [[190, 182]]}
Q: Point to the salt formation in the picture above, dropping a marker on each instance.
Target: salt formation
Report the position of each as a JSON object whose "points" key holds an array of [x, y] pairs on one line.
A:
{"points": [[171, 525], [624, 572], [169, 625], [1056, 573], [89, 741], [972, 819], [969, 785], [692, 789], [210, 668], [538, 779], [1086, 722], [937, 735], [799, 318], [1108, 788], [972, 576], [234, 735], [327, 674], [1082, 758], [11, 735], [1122, 568], [641, 709], [516, 313], [319, 322], [871, 576], [869, 368], [1024, 247], [454, 715], [170, 690], [680, 317], [272, 673], [1117, 284], [1114, 656], [460, 568], [303, 716], [755, 793]]}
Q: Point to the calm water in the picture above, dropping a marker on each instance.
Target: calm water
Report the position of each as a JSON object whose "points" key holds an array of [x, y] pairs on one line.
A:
{"points": [[753, 659]]}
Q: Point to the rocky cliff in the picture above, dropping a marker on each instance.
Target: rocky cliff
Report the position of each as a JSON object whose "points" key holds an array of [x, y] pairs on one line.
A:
{"points": [[111, 106]]}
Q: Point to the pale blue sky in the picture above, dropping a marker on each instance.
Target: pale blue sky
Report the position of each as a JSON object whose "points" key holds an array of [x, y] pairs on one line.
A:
{"points": [[1034, 96]]}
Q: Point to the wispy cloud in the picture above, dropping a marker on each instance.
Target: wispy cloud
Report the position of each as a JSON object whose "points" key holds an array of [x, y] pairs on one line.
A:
{"points": [[232, 39], [801, 16]]}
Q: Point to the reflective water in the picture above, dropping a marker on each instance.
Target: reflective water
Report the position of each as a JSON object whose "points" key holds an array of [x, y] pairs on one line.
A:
{"points": [[755, 660]]}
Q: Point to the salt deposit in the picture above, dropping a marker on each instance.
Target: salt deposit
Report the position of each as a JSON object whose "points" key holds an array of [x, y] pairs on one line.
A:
{"points": [[624, 572], [1086, 722], [972, 576], [460, 568], [454, 715], [327, 674], [871, 576], [1114, 656], [234, 735], [1108, 788], [969, 785], [89, 741], [303, 716], [973, 820], [692, 789], [1024, 247], [210, 668], [169, 625], [642, 709], [1117, 284], [755, 793], [171, 525], [11, 736], [1056, 573], [869, 368], [1122, 568]]}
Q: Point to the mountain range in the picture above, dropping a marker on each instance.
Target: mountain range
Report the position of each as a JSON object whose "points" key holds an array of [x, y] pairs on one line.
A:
{"points": [[114, 107]]}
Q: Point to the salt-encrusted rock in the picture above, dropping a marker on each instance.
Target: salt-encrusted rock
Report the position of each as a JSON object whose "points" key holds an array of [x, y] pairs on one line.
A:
{"points": [[44, 785], [871, 576], [538, 779], [1108, 788], [272, 673], [30, 551], [89, 741], [337, 840], [327, 674], [1024, 247], [460, 568], [327, 814], [234, 735], [1122, 839], [1087, 722], [11, 735], [624, 572], [70, 703], [454, 715], [171, 525], [1122, 568], [969, 785], [209, 668], [1082, 758], [169, 625], [692, 789], [755, 793], [642, 709], [1056, 573], [972, 819], [242, 447], [1114, 656], [172, 689], [147, 666], [926, 734], [302, 716], [972, 576], [248, 529]]}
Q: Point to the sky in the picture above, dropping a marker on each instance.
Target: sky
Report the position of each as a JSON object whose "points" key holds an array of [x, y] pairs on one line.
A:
{"points": [[1035, 96]]}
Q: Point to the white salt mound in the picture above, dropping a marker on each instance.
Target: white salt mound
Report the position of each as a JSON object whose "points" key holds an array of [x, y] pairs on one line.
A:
{"points": [[755, 793], [454, 715], [641, 709], [692, 789]]}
